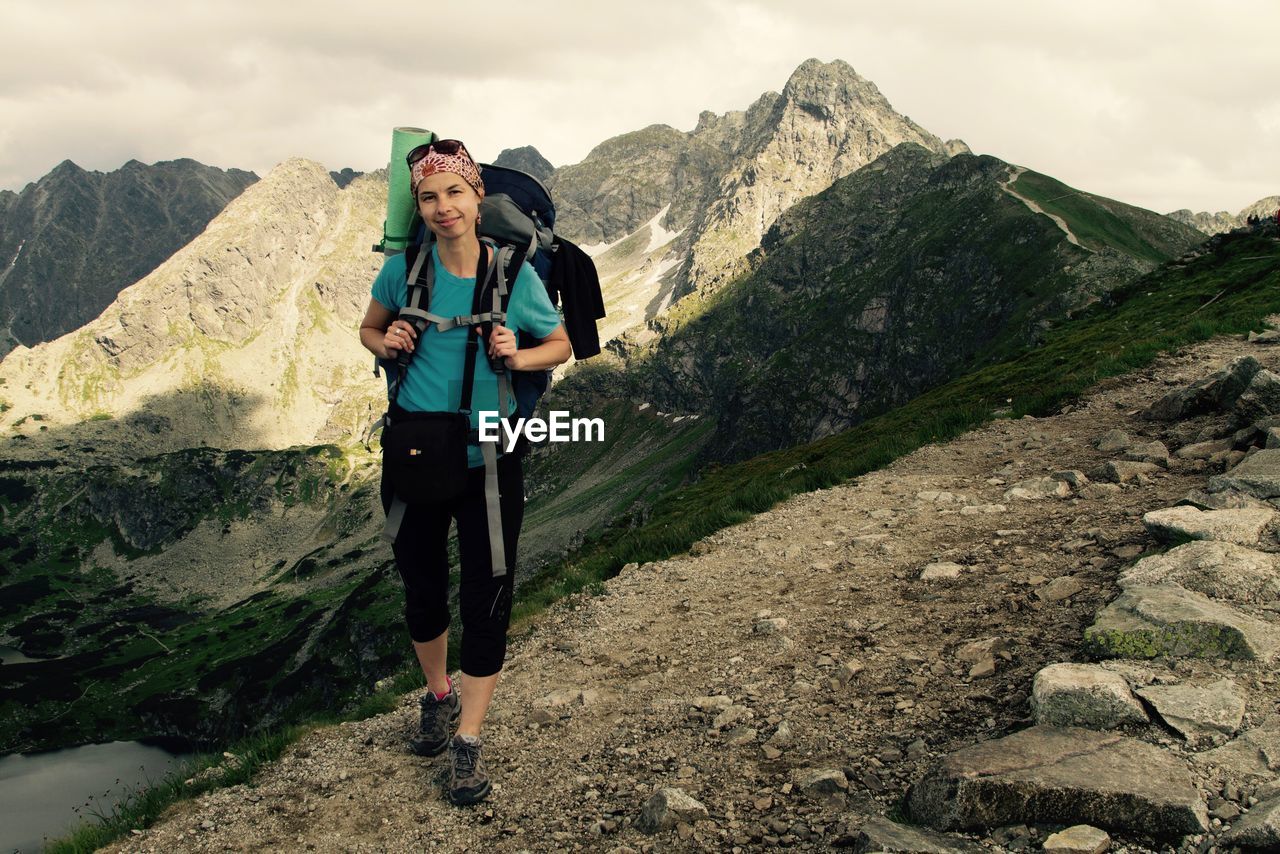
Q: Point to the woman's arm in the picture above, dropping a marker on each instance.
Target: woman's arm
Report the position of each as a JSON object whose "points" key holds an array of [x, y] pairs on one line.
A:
{"points": [[384, 336], [551, 351]]}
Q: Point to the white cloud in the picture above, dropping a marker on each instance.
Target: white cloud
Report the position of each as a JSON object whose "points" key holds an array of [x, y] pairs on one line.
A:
{"points": [[1162, 104]]}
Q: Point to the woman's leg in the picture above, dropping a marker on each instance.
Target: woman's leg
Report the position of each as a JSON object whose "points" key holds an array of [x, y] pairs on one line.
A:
{"points": [[485, 601], [422, 558]]}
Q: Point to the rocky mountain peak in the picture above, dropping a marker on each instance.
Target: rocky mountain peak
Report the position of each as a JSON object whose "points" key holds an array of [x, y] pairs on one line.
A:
{"points": [[74, 238], [828, 122], [527, 159], [822, 86]]}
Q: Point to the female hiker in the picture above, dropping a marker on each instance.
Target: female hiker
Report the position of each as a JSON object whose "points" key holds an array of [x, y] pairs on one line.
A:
{"points": [[447, 186]]}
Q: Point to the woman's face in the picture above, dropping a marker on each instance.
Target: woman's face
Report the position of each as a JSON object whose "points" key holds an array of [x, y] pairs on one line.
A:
{"points": [[448, 205]]}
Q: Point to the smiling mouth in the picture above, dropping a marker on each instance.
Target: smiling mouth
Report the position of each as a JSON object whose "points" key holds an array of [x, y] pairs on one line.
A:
{"points": [[447, 222]]}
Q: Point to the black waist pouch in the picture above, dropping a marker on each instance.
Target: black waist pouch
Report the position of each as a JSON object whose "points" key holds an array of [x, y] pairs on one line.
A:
{"points": [[424, 454]]}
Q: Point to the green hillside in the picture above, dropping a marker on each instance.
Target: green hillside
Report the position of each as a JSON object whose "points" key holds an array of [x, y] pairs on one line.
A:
{"points": [[1228, 289], [910, 272]]}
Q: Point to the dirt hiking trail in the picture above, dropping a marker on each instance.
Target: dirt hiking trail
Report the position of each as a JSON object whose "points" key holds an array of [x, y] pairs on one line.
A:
{"points": [[801, 640]]}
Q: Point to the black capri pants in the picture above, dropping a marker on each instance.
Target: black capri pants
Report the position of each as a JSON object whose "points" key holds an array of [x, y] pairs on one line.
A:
{"points": [[422, 559]]}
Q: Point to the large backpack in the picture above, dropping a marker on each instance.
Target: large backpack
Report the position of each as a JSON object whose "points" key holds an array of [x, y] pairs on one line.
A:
{"points": [[517, 216]]}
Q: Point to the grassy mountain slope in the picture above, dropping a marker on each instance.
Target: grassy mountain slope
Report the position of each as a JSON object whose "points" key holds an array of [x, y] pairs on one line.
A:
{"points": [[899, 277], [1229, 285]]}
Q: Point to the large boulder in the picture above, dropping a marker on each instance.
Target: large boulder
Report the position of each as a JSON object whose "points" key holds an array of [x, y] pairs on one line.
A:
{"points": [[1165, 619], [1214, 393], [1218, 570], [1257, 475], [1260, 399], [1260, 829], [1084, 695], [1050, 775], [1174, 524]]}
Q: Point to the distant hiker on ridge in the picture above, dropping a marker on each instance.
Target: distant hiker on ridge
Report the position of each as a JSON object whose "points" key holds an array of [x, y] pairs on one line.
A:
{"points": [[432, 415]]}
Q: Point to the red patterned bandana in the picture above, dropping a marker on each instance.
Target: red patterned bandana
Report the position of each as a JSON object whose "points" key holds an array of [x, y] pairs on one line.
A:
{"points": [[459, 164]]}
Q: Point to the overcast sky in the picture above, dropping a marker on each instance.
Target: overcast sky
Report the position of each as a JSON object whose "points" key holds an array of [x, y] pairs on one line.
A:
{"points": [[1161, 103]]}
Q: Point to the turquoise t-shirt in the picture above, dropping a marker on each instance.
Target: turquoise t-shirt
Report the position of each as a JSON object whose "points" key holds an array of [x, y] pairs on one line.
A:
{"points": [[434, 380]]}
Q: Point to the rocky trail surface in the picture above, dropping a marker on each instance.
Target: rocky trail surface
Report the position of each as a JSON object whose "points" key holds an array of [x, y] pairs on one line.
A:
{"points": [[868, 653]]}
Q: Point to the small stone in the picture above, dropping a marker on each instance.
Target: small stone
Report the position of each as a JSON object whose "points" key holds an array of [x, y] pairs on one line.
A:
{"points": [[849, 669], [1113, 441], [1063, 587], [821, 783], [1123, 471], [667, 808], [983, 669], [731, 716], [980, 650], [1150, 452], [1075, 479], [717, 703], [940, 570], [770, 625], [1037, 489], [1081, 839], [561, 697]]}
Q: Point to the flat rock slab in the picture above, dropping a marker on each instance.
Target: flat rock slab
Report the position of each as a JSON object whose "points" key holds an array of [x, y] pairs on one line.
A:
{"points": [[1051, 775], [1204, 450], [1084, 695], [1202, 713], [1165, 619], [1257, 475], [1218, 570], [1224, 499], [881, 834], [1259, 829], [1081, 839], [1255, 752], [1242, 527]]}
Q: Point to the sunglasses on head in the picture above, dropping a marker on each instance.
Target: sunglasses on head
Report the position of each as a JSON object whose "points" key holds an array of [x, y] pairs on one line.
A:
{"points": [[440, 146]]}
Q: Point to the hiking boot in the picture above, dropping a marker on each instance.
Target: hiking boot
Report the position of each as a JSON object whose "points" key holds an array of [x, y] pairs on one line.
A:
{"points": [[468, 779], [438, 720]]}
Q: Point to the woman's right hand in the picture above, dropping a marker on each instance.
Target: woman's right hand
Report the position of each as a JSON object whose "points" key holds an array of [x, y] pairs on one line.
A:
{"points": [[400, 335]]}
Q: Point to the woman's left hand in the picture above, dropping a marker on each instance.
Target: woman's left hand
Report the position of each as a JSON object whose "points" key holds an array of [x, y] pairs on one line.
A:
{"points": [[502, 344]]}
